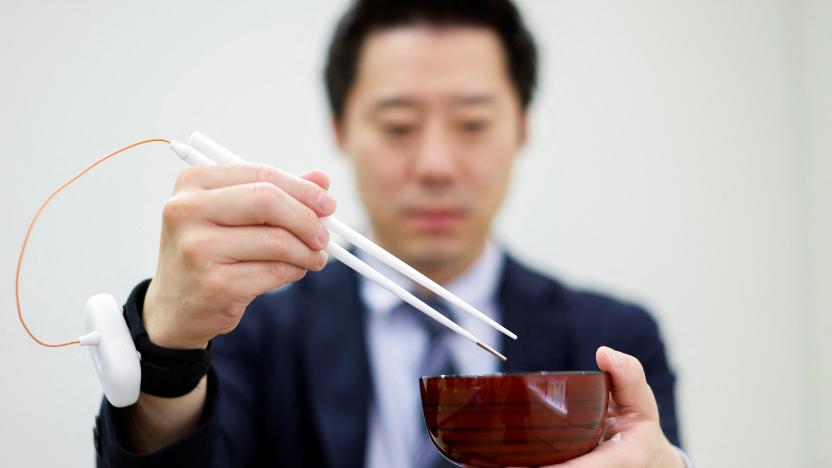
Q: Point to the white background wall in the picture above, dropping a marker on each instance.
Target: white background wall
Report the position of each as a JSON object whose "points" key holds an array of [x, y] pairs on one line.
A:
{"points": [[680, 156], [816, 110]]}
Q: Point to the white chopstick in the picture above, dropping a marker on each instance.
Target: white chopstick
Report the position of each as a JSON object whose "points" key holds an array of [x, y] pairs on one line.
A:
{"points": [[192, 155], [353, 237], [358, 265]]}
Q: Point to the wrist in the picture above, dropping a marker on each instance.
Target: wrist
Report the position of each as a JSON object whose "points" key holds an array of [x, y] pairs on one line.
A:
{"points": [[159, 332], [166, 372], [166, 337]]}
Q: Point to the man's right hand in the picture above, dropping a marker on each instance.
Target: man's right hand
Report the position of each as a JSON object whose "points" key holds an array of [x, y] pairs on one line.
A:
{"points": [[229, 234]]}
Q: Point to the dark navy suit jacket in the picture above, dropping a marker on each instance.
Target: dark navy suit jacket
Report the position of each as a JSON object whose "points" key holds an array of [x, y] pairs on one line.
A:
{"points": [[291, 386]]}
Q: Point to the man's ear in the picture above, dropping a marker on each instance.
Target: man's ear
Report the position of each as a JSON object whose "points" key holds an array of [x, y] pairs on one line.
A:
{"points": [[338, 133], [522, 129]]}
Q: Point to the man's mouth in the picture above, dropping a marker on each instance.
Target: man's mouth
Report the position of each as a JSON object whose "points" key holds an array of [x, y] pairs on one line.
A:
{"points": [[434, 219]]}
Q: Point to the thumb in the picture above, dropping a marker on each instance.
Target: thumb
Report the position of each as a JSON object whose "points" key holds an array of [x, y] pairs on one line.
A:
{"points": [[318, 178], [629, 384]]}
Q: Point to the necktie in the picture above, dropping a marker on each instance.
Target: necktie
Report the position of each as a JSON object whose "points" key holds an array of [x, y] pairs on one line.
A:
{"points": [[437, 361]]}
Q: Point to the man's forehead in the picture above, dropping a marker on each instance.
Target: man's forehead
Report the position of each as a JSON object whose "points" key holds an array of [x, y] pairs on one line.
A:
{"points": [[417, 66], [416, 50]]}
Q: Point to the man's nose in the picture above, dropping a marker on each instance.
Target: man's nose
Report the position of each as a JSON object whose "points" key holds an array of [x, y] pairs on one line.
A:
{"points": [[435, 160]]}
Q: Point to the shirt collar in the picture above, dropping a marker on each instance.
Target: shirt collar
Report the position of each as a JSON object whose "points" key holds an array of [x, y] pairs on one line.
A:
{"points": [[477, 285]]}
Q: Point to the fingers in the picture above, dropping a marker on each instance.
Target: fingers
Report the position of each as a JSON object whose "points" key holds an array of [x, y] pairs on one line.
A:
{"points": [[263, 244], [229, 234], [318, 178], [629, 384], [255, 278], [310, 191], [249, 205], [609, 454], [641, 446]]}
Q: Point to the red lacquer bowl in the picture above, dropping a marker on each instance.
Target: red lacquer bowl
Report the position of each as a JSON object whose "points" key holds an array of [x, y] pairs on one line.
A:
{"points": [[501, 420]]}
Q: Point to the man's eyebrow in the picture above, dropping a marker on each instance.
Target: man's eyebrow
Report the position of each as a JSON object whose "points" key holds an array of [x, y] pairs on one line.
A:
{"points": [[392, 103], [404, 102], [473, 99]]}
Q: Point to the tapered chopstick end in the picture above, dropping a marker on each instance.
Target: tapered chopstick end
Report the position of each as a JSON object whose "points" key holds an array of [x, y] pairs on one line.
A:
{"points": [[492, 351]]}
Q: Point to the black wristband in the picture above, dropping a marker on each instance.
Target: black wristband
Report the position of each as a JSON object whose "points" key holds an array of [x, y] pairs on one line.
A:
{"points": [[165, 372]]}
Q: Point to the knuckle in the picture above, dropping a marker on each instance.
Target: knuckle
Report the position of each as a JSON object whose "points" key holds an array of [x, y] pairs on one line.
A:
{"points": [[170, 213], [261, 173], [310, 222], [633, 363], [288, 273], [186, 177], [175, 209], [264, 194], [277, 240], [193, 248], [298, 274], [282, 270]]}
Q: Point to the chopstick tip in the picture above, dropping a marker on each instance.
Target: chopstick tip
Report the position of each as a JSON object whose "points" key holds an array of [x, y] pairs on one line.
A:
{"points": [[492, 351], [505, 331]]}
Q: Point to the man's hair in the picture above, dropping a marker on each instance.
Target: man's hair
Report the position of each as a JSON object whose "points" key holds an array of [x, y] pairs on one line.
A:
{"points": [[366, 16]]}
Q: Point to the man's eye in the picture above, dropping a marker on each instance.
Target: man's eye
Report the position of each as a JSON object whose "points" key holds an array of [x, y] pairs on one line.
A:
{"points": [[397, 130], [474, 126]]}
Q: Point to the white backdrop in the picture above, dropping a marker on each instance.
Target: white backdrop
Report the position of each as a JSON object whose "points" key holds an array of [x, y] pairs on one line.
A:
{"points": [[679, 156]]}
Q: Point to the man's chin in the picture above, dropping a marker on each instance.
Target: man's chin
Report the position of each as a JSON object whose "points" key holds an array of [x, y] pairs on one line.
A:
{"points": [[432, 252]]}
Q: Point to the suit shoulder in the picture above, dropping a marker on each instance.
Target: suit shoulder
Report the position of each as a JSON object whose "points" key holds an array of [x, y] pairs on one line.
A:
{"points": [[595, 305], [619, 323], [590, 311]]}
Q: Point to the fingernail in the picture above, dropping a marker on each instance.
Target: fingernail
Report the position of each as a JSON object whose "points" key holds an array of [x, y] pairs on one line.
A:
{"points": [[323, 236], [613, 357], [326, 202]]}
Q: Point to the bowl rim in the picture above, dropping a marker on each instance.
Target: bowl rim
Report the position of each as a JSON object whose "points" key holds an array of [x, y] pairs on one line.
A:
{"points": [[425, 378]]}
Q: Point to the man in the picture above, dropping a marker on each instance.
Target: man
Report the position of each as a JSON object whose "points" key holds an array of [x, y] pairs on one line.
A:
{"points": [[429, 103]]}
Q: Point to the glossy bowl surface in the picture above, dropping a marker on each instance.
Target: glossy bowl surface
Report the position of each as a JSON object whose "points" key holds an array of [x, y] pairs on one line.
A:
{"points": [[530, 419]]}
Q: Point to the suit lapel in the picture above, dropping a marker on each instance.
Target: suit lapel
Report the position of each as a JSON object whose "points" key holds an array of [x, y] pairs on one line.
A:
{"points": [[532, 306], [337, 365]]}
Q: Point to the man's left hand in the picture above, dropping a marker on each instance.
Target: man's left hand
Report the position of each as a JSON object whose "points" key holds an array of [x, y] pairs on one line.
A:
{"points": [[633, 437]]}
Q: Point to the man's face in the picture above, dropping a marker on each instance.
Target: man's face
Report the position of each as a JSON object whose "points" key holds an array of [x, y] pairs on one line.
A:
{"points": [[432, 125]]}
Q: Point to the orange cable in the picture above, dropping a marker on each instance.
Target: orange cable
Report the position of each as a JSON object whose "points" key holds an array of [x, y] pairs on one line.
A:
{"points": [[32, 225]]}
